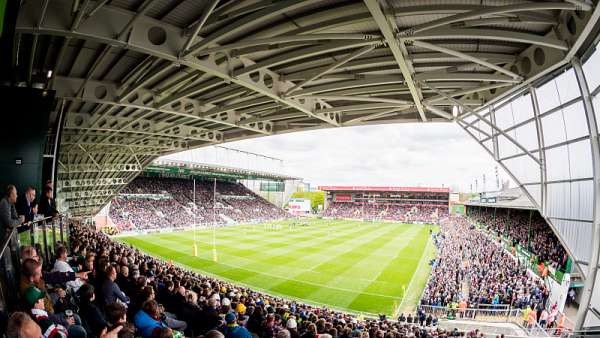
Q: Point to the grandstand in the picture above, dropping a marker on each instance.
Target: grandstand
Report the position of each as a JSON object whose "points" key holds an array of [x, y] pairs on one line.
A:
{"points": [[95, 91], [405, 204], [178, 194]]}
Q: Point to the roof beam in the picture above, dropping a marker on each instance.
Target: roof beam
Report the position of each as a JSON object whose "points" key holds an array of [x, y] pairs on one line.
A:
{"points": [[491, 125], [398, 50], [484, 77], [467, 57], [210, 6], [491, 11], [332, 67], [487, 34], [262, 15]]}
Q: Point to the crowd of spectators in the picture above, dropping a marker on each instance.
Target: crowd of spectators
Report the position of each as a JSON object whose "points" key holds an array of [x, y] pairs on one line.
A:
{"points": [[152, 203], [526, 228], [389, 212], [121, 292], [472, 267]]}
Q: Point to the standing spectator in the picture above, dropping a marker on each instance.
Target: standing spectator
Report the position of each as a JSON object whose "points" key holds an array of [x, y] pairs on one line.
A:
{"points": [[47, 205], [8, 213], [26, 206]]}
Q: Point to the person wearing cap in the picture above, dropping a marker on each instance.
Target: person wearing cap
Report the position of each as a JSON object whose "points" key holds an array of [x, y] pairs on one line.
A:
{"points": [[232, 329], [34, 299], [292, 326]]}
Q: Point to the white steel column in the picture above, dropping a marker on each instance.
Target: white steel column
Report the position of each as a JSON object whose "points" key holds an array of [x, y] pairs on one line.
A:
{"points": [[590, 278], [542, 153]]}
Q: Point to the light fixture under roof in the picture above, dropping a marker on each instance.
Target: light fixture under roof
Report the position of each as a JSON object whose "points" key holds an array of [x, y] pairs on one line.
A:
{"points": [[455, 111]]}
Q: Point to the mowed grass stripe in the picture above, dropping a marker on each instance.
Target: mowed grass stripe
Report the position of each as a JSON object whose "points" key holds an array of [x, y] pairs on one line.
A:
{"points": [[240, 247], [352, 274], [326, 271], [337, 263], [405, 262]]}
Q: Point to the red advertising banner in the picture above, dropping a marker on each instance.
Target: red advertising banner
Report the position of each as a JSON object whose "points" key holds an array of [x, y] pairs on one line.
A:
{"points": [[343, 197]]}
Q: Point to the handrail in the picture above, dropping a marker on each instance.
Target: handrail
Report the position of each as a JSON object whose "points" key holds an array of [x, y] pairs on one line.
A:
{"points": [[6, 240]]}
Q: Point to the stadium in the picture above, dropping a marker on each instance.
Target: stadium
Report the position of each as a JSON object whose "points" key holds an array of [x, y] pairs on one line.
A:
{"points": [[115, 221]]}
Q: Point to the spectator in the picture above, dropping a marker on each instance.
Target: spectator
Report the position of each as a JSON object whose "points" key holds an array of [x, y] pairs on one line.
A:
{"points": [[233, 330], [110, 290], [47, 205], [20, 325], [8, 213], [26, 206], [61, 265], [91, 316], [148, 319], [35, 299]]}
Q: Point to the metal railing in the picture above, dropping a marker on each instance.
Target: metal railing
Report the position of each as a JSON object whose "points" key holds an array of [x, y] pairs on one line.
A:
{"points": [[484, 312], [44, 234]]}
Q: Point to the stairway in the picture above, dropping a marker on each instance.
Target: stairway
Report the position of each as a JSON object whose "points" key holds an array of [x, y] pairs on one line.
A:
{"points": [[465, 289]]}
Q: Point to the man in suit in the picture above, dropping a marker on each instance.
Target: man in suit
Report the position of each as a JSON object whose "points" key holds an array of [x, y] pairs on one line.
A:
{"points": [[47, 204], [8, 213], [26, 204]]}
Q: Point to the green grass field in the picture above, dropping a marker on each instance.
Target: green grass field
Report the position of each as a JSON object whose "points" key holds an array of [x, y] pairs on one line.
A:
{"points": [[349, 265]]}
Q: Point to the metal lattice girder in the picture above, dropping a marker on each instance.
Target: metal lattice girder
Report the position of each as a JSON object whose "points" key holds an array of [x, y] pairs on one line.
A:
{"points": [[399, 51], [84, 183], [104, 167], [143, 99], [75, 195], [87, 202], [106, 20]]}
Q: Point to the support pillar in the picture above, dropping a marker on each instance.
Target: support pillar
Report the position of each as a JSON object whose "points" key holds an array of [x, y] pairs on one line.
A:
{"points": [[590, 278]]}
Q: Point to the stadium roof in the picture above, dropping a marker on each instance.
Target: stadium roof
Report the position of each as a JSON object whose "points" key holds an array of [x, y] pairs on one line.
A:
{"points": [[136, 79], [371, 188], [186, 169], [513, 198]]}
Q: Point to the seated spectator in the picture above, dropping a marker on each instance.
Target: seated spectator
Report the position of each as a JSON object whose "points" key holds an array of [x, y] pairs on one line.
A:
{"points": [[233, 330], [31, 275], [61, 265], [92, 317], [148, 319], [20, 325], [55, 277], [110, 290], [35, 298]]}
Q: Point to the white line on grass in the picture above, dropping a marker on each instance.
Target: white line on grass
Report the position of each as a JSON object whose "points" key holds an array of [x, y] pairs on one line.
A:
{"points": [[282, 277], [412, 279]]}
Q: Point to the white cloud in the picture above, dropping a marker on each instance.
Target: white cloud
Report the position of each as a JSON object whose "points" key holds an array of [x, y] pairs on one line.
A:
{"points": [[432, 154]]}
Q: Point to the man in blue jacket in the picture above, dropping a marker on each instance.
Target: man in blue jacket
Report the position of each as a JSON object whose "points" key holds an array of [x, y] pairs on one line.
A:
{"points": [[232, 329]]}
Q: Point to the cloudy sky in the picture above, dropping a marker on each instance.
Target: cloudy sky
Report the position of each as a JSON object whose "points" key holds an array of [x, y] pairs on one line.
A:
{"points": [[432, 154]]}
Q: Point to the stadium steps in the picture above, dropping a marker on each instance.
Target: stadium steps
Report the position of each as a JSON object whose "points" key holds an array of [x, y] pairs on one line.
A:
{"points": [[466, 287]]}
